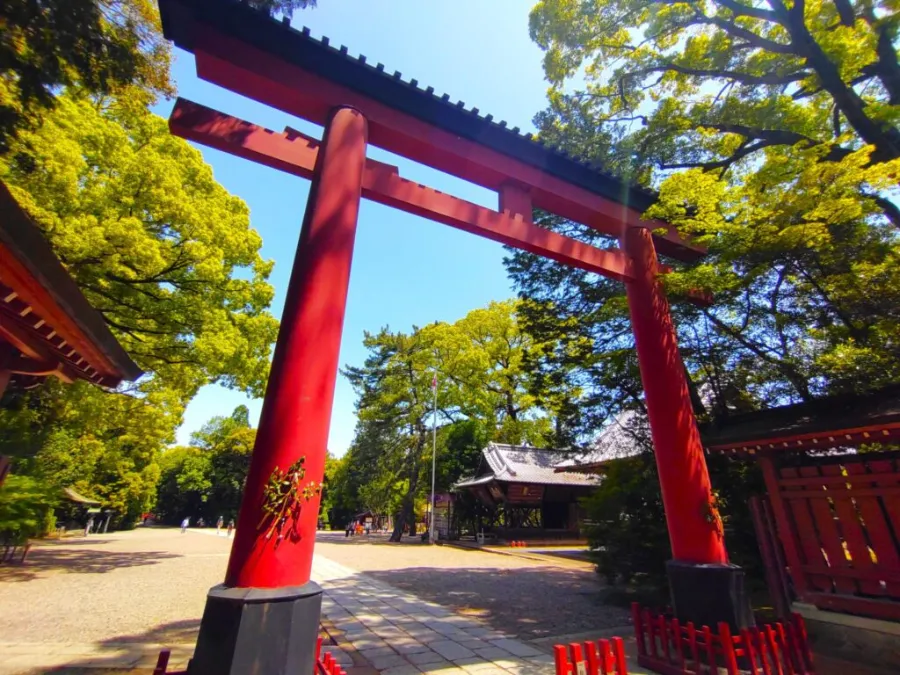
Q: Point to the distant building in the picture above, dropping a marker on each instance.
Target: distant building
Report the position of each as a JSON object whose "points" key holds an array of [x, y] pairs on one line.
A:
{"points": [[525, 496], [628, 435]]}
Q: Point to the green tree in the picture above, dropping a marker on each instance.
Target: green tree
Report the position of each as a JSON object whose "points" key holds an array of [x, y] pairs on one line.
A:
{"points": [[100, 46], [170, 261], [770, 130], [159, 248], [394, 403], [782, 171], [184, 484], [483, 394], [206, 479], [481, 363]]}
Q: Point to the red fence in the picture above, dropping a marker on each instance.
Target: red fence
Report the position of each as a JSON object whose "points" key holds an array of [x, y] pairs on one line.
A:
{"points": [[603, 657], [670, 648], [325, 663], [838, 520]]}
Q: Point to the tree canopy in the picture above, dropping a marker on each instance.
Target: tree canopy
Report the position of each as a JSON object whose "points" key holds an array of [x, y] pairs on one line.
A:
{"points": [[101, 46], [478, 363], [168, 258], [206, 479], [770, 130]]}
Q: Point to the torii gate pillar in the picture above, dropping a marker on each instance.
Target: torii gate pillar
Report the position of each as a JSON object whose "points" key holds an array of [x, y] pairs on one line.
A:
{"points": [[705, 588], [265, 617]]}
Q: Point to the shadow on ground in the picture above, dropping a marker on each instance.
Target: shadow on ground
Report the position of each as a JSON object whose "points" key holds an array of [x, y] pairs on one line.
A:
{"points": [[176, 633], [79, 557], [529, 603]]}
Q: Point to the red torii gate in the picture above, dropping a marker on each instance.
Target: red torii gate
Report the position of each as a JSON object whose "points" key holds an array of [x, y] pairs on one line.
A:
{"points": [[265, 617]]}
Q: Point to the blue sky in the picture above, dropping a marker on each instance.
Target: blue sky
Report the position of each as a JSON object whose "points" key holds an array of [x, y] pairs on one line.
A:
{"points": [[406, 270]]}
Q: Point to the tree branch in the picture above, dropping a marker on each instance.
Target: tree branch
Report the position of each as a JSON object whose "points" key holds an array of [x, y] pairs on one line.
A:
{"points": [[743, 78], [740, 9], [891, 210]]}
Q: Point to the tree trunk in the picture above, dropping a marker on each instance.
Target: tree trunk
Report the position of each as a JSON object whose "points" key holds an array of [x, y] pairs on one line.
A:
{"points": [[407, 512]]}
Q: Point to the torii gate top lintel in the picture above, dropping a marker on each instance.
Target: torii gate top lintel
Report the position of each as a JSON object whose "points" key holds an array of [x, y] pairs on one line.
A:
{"points": [[250, 53]]}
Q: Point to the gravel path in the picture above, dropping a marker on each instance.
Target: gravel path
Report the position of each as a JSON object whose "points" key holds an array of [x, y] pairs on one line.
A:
{"points": [[112, 600], [148, 585]]}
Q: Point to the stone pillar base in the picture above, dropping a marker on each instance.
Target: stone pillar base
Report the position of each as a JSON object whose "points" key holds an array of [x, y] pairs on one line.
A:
{"points": [[708, 594], [247, 631]]}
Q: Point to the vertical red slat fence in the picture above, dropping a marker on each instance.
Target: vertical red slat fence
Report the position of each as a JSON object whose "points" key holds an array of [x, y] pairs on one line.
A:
{"points": [[600, 657], [670, 647], [837, 519], [326, 664]]}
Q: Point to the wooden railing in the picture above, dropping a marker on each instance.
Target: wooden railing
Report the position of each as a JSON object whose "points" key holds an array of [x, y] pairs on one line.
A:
{"points": [[673, 648], [600, 657], [325, 663]]}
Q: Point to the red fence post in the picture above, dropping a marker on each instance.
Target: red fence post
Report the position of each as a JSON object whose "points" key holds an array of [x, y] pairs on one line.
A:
{"points": [[791, 661], [750, 653], [802, 641], [162, 662], [638, 629], [590, 653], [728, 648], [619, 650], [577, 659], [561, 659], [679, 647]]}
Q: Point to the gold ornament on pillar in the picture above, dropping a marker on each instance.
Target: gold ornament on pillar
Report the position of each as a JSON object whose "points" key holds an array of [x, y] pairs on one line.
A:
{"points": [[712, 515], [283, 497]]}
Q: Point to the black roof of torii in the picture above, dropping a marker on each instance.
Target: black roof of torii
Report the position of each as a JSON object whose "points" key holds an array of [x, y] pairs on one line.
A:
{"points": [[336, 64]]}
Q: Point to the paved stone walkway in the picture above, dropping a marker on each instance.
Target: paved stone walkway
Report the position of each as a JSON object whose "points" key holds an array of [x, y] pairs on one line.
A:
{"points": [[400, 634]]}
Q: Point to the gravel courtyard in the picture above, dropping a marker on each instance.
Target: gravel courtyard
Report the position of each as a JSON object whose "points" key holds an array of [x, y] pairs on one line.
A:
{"points": [[98, 599]]}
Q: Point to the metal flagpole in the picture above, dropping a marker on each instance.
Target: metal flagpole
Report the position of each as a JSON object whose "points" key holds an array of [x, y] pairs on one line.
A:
{"points": [[431, 536]]}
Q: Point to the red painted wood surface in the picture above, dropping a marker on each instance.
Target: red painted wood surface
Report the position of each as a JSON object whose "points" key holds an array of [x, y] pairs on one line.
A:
{"points": [[51, 333], [274, 82], [766, 537], [296, 411], [681, 465], [784, 524], [838, 524], [818, 440], [296, 153], [779, 649]]}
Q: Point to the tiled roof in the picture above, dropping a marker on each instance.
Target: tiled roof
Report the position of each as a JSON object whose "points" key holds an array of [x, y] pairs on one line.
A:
{"points": [[619, 440], [377, 82], [524, 464]]}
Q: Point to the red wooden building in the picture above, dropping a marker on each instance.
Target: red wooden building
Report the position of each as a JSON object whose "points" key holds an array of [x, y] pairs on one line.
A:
{"points": [[829, 524], [47, 326]]}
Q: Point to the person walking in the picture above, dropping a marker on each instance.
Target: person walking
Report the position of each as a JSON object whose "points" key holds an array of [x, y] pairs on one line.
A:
{"points": [[219, 523], [230, 526], [184, 524]]}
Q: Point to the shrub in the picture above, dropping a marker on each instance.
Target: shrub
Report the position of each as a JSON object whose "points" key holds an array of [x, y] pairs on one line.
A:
{"points": [[26, 509], [627, 526], [628, 536]]}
